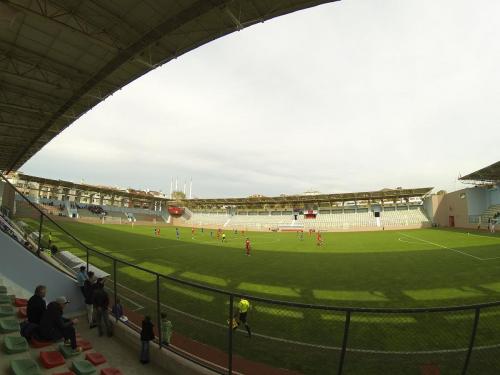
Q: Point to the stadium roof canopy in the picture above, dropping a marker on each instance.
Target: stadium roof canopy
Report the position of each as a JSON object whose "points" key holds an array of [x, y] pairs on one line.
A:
{"points": [[60, 58], [490, 173], [22, 179], [387, 194]]}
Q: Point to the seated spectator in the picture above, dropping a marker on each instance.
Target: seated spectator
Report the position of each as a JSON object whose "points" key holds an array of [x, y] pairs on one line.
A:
{"points": [[54, 326], [37, 305]]}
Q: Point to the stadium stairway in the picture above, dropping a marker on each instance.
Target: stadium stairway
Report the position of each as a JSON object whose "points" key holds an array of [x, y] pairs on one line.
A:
{"points": [[21, 270], [490, 213], [106, 353]]}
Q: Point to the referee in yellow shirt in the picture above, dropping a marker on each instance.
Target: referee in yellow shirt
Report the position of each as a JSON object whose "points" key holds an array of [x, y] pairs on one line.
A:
{"points": [[241, 315]]}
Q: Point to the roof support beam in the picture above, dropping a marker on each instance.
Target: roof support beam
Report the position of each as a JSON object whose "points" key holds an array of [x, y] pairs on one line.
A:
{"points": [[169, 25], [82, 27]]}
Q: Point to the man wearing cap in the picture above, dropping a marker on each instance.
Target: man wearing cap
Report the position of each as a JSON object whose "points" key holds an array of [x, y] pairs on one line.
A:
{"points": [[54, 326]]}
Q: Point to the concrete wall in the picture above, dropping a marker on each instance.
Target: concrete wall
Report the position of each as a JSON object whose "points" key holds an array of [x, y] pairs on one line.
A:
{"points": [[25, 269], [431, 204], [477, 200], [454, 204], [8, 198], [493, 196]]}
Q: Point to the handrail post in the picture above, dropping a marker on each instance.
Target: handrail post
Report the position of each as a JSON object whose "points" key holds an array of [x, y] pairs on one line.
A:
{"points": [[472, 339], [230, 335], [40, 236], [158, 309], [114, 284], [87, 254], [344, 341]]}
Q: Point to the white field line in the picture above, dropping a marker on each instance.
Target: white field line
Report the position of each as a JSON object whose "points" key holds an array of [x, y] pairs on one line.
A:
{"points": [[317, 346], [442, 246], [405, 241]]}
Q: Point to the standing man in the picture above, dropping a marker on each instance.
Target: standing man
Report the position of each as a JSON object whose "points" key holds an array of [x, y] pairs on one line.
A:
{"points": [[247, 247], [241, 315], [101, 305], [223, 237], [89, 288], [177, 234], [192, 233], [81, 276]]}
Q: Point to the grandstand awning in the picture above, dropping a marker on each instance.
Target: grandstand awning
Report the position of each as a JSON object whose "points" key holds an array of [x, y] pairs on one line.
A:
{"points": [[386, 194], [60, 58], [490, 173]]}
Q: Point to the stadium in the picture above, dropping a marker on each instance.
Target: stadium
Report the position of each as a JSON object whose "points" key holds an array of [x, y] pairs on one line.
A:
{"points": [[400, 280]]}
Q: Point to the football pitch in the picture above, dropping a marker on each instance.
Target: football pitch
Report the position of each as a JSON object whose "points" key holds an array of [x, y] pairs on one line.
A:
{"points": [[384, 269]]}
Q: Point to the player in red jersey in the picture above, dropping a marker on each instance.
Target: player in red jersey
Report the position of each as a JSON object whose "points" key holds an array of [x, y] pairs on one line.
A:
{"points": [[247, 247], [319, 240]]}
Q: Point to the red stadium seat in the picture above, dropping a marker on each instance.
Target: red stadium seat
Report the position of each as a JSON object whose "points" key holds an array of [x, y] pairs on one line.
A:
{"points": [[84, 344], [95, 358], [51, 359], [20, 302], [39, 343], [430, 369], [111, 371], [21, 312], [65, 373]]}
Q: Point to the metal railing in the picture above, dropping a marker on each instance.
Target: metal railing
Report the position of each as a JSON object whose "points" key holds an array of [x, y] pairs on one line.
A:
{"points": [[308, 338]]}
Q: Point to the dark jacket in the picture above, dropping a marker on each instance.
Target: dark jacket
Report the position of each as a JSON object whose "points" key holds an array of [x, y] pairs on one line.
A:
{"points": [[53, 323], [35, 309], [101, 298], [88, 292], [147, 333], [117, 310]]}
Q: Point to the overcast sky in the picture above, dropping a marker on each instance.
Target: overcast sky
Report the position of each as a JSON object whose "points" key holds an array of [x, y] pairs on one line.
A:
{"points": [[351, 96]]}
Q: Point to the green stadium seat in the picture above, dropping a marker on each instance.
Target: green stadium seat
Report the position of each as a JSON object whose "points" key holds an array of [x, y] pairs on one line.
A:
{"points": [[5, 299], [8, 325], [15, 344], [67, 352], [3, 289], [83, 368], [7, 311], [25, 367]]}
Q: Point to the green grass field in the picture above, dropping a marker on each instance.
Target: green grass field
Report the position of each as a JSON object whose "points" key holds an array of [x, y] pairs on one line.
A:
{"points": [[397, 269]]}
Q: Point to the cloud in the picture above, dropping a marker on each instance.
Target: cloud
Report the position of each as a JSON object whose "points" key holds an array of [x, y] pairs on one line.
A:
{"points": [[349, 96]]}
